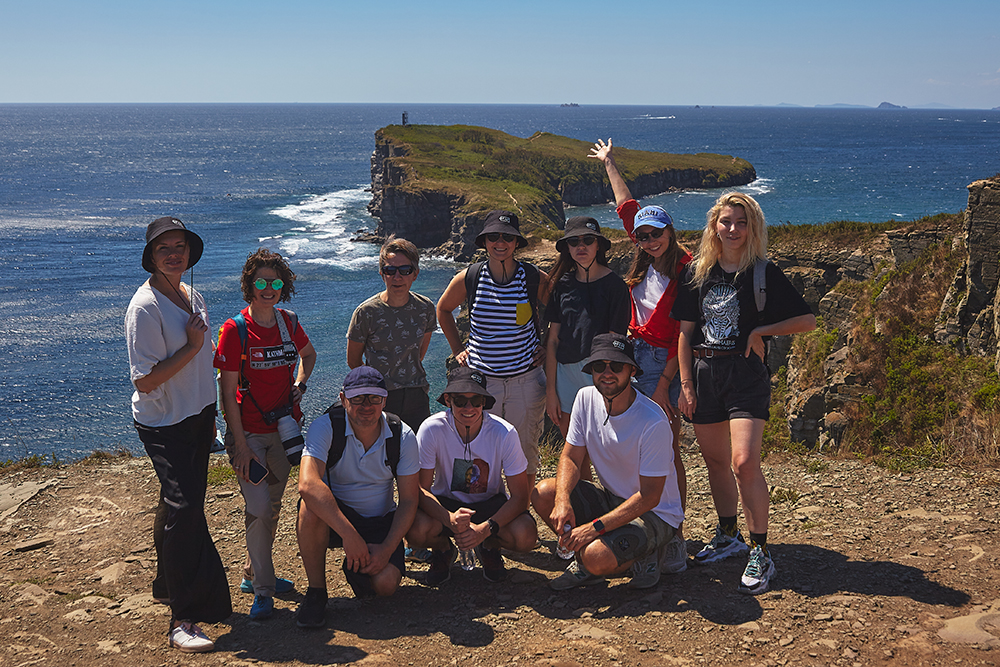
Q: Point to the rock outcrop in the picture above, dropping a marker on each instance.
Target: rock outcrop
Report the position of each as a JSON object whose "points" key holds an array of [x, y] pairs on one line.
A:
{"points": [[435, 184]]}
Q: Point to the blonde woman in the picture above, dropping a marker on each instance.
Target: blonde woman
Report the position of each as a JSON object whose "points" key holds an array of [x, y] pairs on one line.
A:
{"points": [[725, 383]]}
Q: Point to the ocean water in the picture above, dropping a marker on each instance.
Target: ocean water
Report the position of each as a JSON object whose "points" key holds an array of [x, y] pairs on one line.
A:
{"points": [[79, 183]]}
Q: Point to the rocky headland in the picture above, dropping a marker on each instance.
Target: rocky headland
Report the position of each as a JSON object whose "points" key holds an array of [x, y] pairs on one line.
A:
{"points": [[435, 184]]}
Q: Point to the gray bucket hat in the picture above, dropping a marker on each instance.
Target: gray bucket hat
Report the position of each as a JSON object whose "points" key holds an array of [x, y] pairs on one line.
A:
{"points": [[612, 347], [464, 380], [161, 226]]}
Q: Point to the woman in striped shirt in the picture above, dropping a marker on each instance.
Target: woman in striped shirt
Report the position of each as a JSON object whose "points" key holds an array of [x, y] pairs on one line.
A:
{"points": [[505, 342]]}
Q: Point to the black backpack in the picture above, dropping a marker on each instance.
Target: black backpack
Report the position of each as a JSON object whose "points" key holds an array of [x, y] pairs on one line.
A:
{"points": [[338, 419]]}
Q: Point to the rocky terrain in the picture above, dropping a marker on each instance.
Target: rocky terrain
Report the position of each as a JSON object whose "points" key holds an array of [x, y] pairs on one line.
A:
{"points": [[874, 568]]}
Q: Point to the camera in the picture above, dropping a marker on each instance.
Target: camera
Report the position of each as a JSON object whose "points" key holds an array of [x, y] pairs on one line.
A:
{"points": [[291, 439], [288, 431]]}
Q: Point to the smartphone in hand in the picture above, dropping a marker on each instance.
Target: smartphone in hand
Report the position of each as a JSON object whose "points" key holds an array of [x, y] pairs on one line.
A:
{"points": [[257, 472]]}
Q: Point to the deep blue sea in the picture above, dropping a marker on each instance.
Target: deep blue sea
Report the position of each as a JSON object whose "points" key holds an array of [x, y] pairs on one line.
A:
{"points": [[79, 183]]}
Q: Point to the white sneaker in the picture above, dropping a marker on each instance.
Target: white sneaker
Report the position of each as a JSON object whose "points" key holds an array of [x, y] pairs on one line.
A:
{"points": [[188, 638], [757, 576], [673, 556]]}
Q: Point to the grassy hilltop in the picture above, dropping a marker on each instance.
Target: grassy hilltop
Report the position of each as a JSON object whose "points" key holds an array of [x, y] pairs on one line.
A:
{"points": [[472, 170]]}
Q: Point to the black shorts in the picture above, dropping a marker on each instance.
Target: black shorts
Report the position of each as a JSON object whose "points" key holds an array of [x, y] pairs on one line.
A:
{"points": [[373, 530], [484, 508], [731, 387]]}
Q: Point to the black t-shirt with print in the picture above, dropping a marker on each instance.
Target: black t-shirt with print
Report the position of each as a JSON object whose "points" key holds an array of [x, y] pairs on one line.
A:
{"points": [[724, 308]]}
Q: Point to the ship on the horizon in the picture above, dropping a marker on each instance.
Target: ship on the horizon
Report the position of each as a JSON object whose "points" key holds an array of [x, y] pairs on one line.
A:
{"points": [[571, 104]]}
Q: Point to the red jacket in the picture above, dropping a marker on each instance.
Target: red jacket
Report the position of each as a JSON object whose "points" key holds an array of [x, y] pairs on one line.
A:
{"points": [[660, 330]]}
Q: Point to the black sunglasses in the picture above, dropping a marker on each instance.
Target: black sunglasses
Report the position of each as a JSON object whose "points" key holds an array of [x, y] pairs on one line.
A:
{"points": [[404, 270], [369, 399], [461, 401], [577, 240], [655, 234], [493, 237], [599, 366]]}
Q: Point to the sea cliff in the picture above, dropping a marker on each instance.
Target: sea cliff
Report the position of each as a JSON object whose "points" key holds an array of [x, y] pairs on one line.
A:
{"points": [[434, 184]]}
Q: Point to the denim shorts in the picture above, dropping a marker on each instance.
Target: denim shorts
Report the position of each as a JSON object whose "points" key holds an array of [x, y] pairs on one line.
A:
{"points": [[652, 361], [732, 387]]}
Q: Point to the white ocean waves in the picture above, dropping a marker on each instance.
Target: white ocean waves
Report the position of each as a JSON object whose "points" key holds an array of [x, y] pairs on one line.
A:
{"points": [[323, 227]]}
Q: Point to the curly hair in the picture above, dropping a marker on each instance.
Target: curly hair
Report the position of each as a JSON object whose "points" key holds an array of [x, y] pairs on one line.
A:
{"points": [[710, 248], [263, 258]]}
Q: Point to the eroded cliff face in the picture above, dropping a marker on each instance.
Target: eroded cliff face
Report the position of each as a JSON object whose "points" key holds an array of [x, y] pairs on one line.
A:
{"points": [[439, 219]]}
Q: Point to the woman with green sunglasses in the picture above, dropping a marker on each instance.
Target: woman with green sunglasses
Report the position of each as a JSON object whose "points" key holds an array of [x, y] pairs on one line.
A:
{"points": [[260, 385]]}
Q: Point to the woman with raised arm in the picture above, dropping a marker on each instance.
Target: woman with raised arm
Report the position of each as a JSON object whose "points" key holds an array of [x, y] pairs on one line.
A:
{"points": [[653, 279], [170, 361], [725, 382]]}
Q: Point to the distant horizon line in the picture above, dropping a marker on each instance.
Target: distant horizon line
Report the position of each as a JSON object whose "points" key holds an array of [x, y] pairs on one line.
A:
{"points": [[930, 106]]}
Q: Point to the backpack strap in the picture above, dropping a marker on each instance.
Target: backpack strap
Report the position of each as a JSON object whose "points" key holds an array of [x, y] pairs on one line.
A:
{"points": [[472, 283], [760, 285], [338, 420]]}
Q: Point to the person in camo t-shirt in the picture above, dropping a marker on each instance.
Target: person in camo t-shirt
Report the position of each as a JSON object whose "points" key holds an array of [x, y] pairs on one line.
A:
{"points": [[391, 331]]}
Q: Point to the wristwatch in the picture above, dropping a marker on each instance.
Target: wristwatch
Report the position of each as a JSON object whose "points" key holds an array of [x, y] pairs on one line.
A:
{"points": [[599, 526], [302, 387], [494, 527]]}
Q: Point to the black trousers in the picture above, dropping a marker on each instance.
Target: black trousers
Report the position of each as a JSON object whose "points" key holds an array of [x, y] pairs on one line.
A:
{"points": [[189, 570]]}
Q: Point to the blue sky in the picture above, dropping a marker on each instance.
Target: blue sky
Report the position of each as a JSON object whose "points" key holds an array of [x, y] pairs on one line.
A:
{"points": [[641, 52]]}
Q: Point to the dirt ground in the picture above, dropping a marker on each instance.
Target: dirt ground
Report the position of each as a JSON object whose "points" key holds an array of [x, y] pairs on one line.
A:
{"points": [[874, 567]]}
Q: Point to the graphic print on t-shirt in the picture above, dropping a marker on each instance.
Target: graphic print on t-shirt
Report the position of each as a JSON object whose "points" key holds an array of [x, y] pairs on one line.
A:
{"points": [[722, 316], [470, 476], [271, 356]]}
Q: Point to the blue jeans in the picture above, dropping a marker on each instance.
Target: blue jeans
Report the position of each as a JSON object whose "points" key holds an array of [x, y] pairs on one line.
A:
{"points": [[652, 361]]}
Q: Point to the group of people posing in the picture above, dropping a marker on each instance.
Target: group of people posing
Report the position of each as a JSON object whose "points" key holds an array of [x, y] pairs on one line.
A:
{"points": [[615, 363]]}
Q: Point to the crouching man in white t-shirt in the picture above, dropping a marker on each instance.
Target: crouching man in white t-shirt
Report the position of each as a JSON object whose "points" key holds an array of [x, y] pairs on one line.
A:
{"points": [[465, 453], [627, 521]]}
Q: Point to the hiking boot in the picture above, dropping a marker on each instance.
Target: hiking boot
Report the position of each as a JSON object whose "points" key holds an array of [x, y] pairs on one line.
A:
{"points": [[262, 607], [673, 556], [312, 611], [281, 586], [722, 546], [645, 572], [757, 576], [574, 576], [188, 638], [440, 570], [492, 562], [417, 555]]}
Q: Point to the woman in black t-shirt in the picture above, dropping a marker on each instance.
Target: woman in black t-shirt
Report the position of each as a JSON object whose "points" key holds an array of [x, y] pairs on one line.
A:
{"points": [[725, 384]]}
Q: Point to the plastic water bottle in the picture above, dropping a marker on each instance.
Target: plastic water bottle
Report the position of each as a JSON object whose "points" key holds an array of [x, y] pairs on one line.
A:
{"points": [[562, 551], [467, 559]]}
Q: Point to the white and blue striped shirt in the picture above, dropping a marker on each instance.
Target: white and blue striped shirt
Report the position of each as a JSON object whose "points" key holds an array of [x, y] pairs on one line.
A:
{"points": [[502, 334]]}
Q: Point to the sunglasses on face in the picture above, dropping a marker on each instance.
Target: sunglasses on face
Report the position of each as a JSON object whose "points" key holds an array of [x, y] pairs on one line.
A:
{"points": [[496, 236], [655, 234], [404, 270], [598, 367], [367, 399], [462, 401], [577, 240], [275, 284]]}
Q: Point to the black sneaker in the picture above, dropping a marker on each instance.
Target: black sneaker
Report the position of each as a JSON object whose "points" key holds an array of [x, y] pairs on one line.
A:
{"points": [[492, 563], [440, 570], [312, 611]]}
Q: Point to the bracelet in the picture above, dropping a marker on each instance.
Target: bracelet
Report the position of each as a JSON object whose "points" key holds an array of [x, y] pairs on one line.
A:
{"points": [[683, 382], [599, 526], [494, 527]]}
